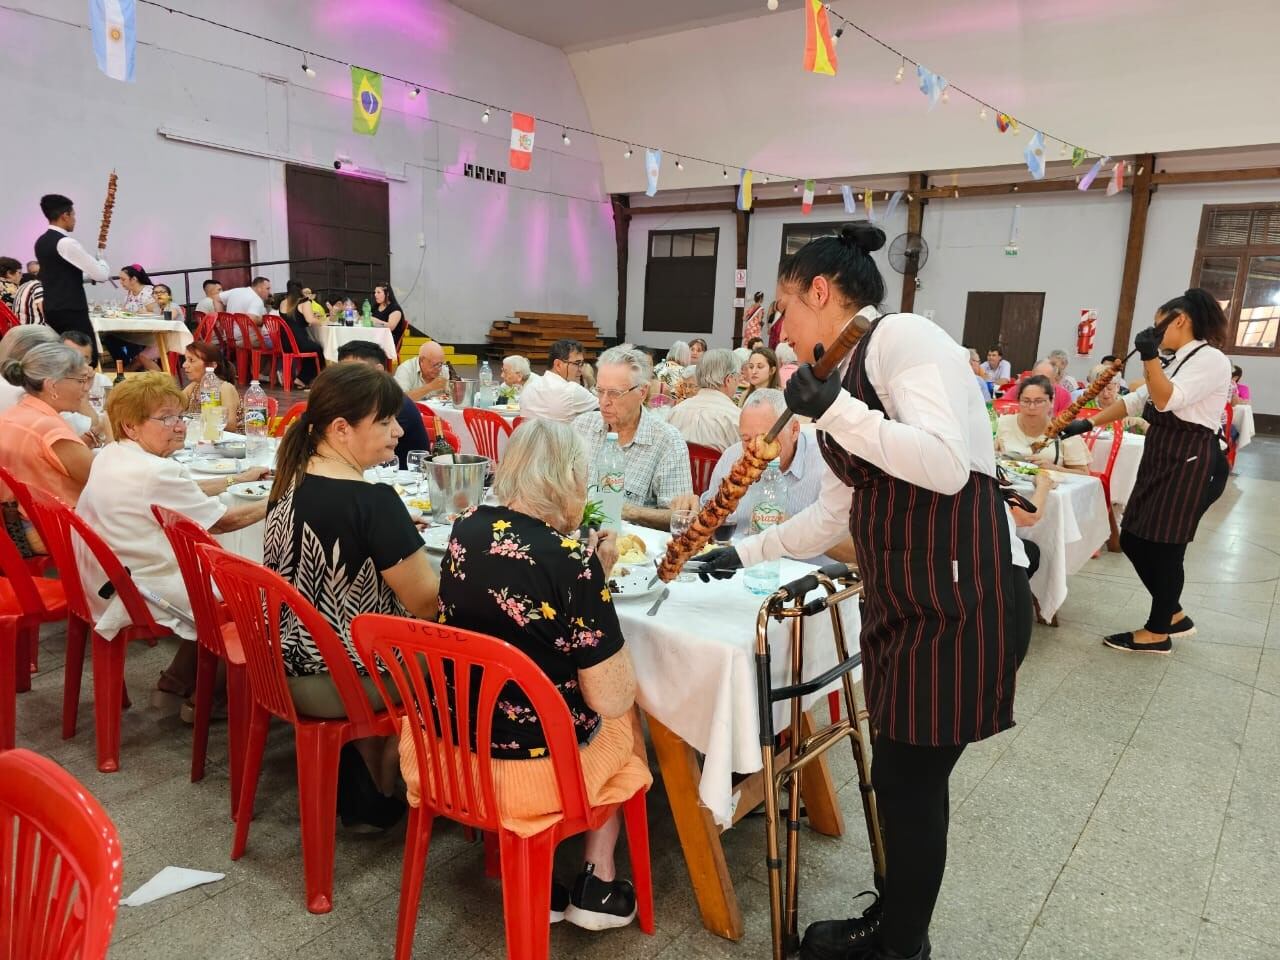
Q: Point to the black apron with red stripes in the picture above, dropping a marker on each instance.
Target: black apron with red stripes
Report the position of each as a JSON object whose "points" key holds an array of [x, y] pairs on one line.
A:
{"points": [[938, 631], [1169, 494]]}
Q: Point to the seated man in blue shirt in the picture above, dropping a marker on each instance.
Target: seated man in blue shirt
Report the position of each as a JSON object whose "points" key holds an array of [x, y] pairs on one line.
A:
{"points": [[800, 461], [409, 417]]}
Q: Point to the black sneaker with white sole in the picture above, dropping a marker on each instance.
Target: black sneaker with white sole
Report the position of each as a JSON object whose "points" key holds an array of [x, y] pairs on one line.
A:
{"points": [[1127, 643], [596, 904], [1183, 629], [559, 900]]}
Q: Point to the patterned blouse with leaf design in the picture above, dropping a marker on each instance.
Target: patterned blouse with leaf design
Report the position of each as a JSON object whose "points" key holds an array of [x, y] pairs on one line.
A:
{"points": [[330, 539], [511, 576]]}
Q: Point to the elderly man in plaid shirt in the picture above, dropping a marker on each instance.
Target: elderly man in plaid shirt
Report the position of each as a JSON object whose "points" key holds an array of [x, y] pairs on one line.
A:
{"points": [[658, 480]]}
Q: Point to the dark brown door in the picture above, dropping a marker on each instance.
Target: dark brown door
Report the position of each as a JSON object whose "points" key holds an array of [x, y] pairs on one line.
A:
{"points": [[346, 221], [229, 250], [1011, 320]]}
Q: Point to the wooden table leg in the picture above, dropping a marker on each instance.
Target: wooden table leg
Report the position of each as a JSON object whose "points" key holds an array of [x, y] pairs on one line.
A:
{"points": [[818, 790], [163, 347], [699, 835]]}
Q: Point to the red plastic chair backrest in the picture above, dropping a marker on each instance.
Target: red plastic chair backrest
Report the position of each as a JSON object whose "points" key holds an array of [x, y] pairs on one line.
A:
{"points": [[15, 570], [702, 463], [483, 425], [286, 332], [515, 424], [429, 418], [454, 780], [226, 326], [1117, 438], [270, 330], [60, 863], [1005, 405], [206, 326], [290, 415], [258, 599], [8, 319], [185, 536]]}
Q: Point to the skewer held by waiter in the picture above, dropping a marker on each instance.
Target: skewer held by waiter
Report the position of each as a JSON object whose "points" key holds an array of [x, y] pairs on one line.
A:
{"points": [[1183, 469], [946, 603]]}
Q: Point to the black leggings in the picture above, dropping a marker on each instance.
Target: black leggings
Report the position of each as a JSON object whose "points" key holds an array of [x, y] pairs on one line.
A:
{"points": [[1159, 566], [914, 803]]}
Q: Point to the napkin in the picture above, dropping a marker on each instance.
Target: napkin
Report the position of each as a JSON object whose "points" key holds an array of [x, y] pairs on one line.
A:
{"points": [[167, 882]]}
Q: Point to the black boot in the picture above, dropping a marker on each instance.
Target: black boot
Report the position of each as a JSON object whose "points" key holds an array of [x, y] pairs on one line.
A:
{"points": [[361, 805]]}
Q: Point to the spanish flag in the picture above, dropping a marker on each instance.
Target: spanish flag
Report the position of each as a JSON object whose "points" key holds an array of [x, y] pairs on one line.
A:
{"points": [[744, 189], [819, 50], [366, 101]]}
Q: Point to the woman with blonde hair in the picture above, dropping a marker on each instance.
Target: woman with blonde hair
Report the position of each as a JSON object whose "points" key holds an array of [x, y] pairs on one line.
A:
{"points": [[518, 571]]}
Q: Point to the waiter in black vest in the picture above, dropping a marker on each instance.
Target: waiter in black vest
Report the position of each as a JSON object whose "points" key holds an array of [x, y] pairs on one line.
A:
{"points": [[64, 265], [946, 612]]}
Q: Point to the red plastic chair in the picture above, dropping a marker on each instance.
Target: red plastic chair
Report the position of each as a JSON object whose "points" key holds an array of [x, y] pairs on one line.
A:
{"points": [[484, 425], [1104, 475], [59, 527], [217, 640], [292, 355], [1227, 419], [235, 341], [515, 424], [702, 463], [1005, 405], [429, 418], [458, 784], [290, 415], [8, 319], [206, 327], [256, 597], [269, 332], [60, 863]]}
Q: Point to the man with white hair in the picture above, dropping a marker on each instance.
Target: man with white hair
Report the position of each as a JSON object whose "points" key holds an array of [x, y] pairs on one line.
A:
{"points": [[710, 417], [658, 478], [800, 462], [423, 376], [557, 394]]}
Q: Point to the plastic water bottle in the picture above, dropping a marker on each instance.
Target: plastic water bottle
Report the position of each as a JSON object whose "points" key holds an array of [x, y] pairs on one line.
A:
{"points": [[485, 398], [769, 510], [611, 481], [366, 314], [255, 418], [211, 406]]}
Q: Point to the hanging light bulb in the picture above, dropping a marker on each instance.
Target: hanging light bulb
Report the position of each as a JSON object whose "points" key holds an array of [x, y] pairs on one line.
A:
{"points": [[484, 117], [795, 188], [902, 71], [564, 137], [828, 188], [982, 114], [413, 92], [725, 174], [679, 165], [306, 67], [627, 153], [946, 95], [835, 39], [772, 4], [764, 180]]}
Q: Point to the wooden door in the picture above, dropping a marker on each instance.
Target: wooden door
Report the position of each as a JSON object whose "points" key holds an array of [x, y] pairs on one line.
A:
{"points": [[1011, 320], [982, 321], [343, 217], [230, 250]]}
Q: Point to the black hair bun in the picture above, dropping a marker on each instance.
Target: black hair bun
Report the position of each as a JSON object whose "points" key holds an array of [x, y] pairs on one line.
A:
{"points": [[864, 235]]}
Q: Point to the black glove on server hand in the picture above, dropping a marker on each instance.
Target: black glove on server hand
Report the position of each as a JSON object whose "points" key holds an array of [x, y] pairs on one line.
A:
{"points": [[806, 394]]}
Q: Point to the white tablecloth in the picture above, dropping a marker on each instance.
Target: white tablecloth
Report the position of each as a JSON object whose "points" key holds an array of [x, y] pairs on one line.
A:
{"points": [[453, 416], [1125, 471], [1242, 420], [1074, 526], [176, 334], [332, 336], [695, 669]]}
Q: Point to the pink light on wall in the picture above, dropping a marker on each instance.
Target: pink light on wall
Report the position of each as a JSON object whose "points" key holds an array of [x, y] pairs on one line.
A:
{"points": [[419, 21], [536, 243], [579, 241]]}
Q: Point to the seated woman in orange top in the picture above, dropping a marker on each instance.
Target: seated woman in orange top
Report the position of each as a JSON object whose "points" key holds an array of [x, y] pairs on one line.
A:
{"points": [[40, 448]]}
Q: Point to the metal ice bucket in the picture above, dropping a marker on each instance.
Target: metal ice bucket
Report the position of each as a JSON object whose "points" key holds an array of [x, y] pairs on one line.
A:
{"points": [[462, 393], [455, 487]]}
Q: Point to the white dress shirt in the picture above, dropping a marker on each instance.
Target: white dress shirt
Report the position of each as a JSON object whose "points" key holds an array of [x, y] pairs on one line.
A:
{"points": [[1200, 387], [69, 249], [934, 432], [206, 306], [243, 300], [708, 418], [552, 397]]}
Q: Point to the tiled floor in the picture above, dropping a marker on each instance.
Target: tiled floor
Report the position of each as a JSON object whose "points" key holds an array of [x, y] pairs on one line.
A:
{"points": [[1132, 813]]}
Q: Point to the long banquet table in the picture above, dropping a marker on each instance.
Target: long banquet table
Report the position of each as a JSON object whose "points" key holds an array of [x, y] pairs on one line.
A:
{"points": [[170, 335], [1074, 526], [331, 336]]}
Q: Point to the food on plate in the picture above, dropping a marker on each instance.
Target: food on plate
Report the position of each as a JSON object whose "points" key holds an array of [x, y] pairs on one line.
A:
{"points": [[419, 503], [1022, 467], [631, 549]]}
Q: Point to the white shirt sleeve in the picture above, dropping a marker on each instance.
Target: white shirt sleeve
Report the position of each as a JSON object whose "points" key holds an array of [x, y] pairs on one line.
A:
{"points": [[173, 487], [578, 399], [407, 373], [810, 532], [94, 268], [1135, 400]]}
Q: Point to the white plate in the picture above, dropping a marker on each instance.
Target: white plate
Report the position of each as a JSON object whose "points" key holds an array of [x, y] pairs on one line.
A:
{"points": [[635, 583], [252, 490], [215, 465], [436, 539]]}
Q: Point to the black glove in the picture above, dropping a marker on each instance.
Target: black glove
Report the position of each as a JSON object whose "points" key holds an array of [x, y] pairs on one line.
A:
{"points": [[1148, 343], [719, 563], [1075, 428], [806, 394]]}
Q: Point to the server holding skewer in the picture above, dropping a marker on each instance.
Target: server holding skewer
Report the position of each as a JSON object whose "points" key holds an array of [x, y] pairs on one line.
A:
{"points": [[1183, 469], [947, 607]]}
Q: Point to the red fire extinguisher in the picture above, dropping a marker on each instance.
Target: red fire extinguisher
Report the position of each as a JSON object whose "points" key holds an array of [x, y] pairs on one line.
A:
{"points": [[1085, 332]]}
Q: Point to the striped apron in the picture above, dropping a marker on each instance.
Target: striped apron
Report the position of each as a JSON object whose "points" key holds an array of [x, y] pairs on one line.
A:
{"points": [[1170, 493], [938, 622]]}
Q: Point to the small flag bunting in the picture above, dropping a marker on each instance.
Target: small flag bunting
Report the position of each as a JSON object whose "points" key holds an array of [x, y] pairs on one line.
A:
{"points": [[931, 84], [1087, 180], [113, 24], [522, 131], [1078, 155], [893, 204], [744, 189], [819, 48], [652, 167], [1003, 122], [1034, 154], [1117, 179], [847, 193], [366, 101], [806, 201], [868, 201]]}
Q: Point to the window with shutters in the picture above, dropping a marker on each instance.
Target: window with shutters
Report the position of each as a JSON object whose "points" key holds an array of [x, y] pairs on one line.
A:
{"points": [[1238, 262], [680, 280], [796, 235]]}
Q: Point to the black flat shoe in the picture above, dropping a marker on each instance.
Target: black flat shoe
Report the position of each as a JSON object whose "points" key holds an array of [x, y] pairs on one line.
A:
{"points": [[1183, 628], [1125, 642], [362, 807]]}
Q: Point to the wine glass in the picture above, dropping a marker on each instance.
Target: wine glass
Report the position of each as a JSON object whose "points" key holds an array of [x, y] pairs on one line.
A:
{"points": [[387, 469], [681, 520], [723, 534], [415, 462]]}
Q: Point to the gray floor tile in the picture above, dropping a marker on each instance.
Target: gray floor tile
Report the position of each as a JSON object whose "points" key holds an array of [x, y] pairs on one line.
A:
{"points": [[1222, 943]]}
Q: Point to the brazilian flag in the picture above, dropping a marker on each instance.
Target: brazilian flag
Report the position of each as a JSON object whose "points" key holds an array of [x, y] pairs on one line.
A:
{"points": [[366, 101]]}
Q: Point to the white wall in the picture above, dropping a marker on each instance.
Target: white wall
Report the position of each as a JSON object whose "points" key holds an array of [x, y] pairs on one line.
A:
{"points": [[543, 242]]}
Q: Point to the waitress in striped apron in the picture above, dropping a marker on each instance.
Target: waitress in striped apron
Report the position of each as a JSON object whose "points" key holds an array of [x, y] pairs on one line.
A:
{"points": [[1183, 469], [946, 612]]}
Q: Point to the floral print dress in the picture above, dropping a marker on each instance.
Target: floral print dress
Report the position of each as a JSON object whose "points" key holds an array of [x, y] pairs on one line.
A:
{"points": [[511, 576]]}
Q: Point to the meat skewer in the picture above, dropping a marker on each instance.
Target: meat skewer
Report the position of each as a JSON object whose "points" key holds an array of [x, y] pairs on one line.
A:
{"points": [[108, 206], [756, 454]]}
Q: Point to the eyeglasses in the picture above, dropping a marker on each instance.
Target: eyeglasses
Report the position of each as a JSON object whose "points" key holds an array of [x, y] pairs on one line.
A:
{"points": [[87, 378], [171, 421], [574, 363], [1034, 402], [613, 395]]}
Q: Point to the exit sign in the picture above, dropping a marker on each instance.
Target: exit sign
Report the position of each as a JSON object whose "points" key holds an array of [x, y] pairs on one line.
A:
{"points": [[1011, 250]]}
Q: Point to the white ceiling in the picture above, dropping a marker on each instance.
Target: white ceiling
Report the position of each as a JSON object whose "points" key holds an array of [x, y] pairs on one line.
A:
{"points": [[583, 24]]}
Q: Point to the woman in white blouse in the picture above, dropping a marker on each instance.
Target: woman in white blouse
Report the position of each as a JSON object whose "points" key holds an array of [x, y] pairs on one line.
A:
{"points": [[1016, 433], [146, 414], [136, 350]]}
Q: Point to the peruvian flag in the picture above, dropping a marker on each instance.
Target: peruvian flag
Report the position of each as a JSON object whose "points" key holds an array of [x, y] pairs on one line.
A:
{"points": [[806, 202], [521, 141]]}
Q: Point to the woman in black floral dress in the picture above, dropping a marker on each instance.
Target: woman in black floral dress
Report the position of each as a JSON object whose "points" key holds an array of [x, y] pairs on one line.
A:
{"points": [[519, 572]]}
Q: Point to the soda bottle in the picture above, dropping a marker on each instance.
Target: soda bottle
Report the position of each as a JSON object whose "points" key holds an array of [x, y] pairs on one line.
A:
{"points": [[255, 418], [366, 314], [611, 481], [769, 510], [211, 413]]}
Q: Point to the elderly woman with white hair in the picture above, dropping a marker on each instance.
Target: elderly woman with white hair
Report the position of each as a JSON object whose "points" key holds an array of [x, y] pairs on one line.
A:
{"points": [[516, 371], [670, 372], [14, 346], [658, 479], [710, 417], [518, 571]]}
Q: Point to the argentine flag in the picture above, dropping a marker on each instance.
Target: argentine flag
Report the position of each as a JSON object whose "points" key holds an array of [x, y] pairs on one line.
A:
{"points": [[114, 36]]}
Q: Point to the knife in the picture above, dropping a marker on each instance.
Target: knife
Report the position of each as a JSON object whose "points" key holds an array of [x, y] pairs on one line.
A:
{"points": [[653, 611]]}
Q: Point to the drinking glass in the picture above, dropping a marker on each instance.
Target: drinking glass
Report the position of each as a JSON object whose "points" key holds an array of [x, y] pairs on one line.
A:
{"points": [[724, 533], [681, 520], [96, 394], [386, 471], [414, 462]]}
